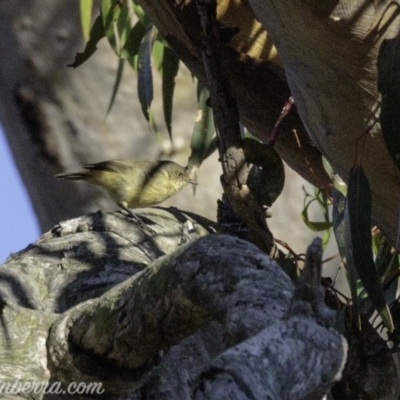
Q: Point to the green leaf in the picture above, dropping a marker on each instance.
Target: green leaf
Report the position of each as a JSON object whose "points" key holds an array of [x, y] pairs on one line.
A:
{"points": [[170, 68], [117, 82], [96, 33], [318, 226], [338, 222], [145, 75], [325, 238], [212, 147], [387, 264], [157, 52], [142, 16], [161, 39], [153, 125], [338, 182], [86, 7], [130, 50], [393, 268], [117, 23], [203, 132], [389, 85], [359, 241]]}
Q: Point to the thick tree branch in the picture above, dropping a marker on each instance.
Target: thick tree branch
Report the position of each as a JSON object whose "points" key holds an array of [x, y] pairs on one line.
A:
{"points": [[230, 145], [116, 329], [302, 335], [171, 299]]}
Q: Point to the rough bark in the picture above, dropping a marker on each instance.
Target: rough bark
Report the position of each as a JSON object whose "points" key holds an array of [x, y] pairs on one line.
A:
{"points": [[149, 317]]}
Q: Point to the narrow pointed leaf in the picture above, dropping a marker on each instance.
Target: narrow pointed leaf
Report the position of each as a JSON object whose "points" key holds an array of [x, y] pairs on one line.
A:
{"points": [[339, 225], [318, 226], [203, 132], [338, 182], [142, 16], [130, 50], [117, 82], [86, 17], [109, 13], [359, 241], [170, 68], [145, 75], [387, 264], [212, 147], [157, 52], [96, 33], [153, 125], [117, 23]]}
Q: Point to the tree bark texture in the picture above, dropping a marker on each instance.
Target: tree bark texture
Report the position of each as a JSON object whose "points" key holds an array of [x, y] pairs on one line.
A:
{"points": [[149, 316]]}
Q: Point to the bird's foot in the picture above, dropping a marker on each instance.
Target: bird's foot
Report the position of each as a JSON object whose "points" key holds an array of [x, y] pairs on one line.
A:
{"points": [[142, 225]]}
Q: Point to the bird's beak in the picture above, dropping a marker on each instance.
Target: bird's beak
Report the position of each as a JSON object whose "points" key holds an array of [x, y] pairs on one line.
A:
{"points": [[192, 182]]}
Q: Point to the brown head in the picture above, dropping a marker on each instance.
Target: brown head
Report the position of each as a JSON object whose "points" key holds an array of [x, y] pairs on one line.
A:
{"points": [[178, 175]]}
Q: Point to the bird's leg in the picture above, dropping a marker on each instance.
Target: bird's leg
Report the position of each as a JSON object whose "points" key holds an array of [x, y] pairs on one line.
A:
{"points": [[137, 219]]}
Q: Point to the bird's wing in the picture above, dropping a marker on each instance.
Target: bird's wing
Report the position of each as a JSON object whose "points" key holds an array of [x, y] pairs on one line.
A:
{"points": [[113, 165]]}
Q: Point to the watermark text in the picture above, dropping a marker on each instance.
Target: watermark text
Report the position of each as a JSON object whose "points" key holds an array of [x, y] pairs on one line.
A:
{"points": [[27, 387]]}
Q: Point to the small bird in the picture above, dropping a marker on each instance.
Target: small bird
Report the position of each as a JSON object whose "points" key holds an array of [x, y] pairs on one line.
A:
{"points": [[134, 183]]}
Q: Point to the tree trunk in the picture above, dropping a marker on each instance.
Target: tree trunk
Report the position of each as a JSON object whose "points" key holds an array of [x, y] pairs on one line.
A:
{"points": [[100, 300]]}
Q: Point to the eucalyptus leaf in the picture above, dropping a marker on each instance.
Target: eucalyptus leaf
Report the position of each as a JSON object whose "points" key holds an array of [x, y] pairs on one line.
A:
{"points": [[117, 23], [86, 7], [130, 50], [339, 226], [96, 33], [141, 15], [153, 125], [337, 181], [359, 241], [170, 68], [203, 131], [387, 264], [117, 83], [157, 52], [145, 74], [318, 226]]}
